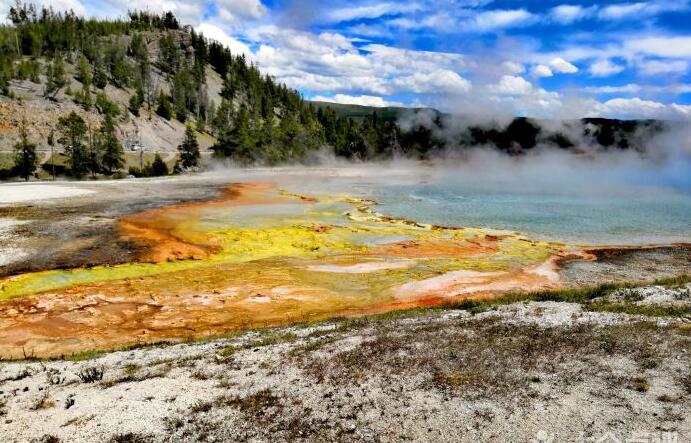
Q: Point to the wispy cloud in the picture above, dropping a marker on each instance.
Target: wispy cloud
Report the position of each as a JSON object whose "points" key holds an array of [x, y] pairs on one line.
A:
{"points": [[370, 11]]}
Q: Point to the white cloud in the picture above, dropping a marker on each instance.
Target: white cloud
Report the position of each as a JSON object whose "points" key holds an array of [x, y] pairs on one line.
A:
{"points": [[631, 107], [641, 9], [541, 71], [604, 68], [512, 85], [499, 19], [57, 5], [363, 100], [513, 67], [441, 81], [630, 88], [674, 47], [329, 62], [560, 65], [656, 67], [369, 11], [566, 14], [633, 88], [215, 33], [251, 9]]}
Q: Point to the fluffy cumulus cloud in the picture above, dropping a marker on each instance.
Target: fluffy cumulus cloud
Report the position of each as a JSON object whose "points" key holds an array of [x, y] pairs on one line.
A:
{"points": [[513, 85], [636, 108], [560, 65], [541, 71], [213, 32], [604, 68], [330, 63], [499, 19]]}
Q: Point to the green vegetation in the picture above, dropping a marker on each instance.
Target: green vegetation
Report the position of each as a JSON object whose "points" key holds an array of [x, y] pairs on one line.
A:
{"points": [[189, 149], [25, 155], [113, 155], [91, 374], [73, 131]]}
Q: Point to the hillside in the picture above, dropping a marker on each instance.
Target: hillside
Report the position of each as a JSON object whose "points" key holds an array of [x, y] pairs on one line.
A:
{"points": [[146, 83], [360, 112]]}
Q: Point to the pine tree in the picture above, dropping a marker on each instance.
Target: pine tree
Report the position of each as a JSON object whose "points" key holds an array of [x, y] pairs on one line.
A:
{"points": [[25, 159], [189, 149], [236, 142], [159, 167], [100, 77], [110, 147], [55, 72], [164, 109], [84, 76], [72, 132]]}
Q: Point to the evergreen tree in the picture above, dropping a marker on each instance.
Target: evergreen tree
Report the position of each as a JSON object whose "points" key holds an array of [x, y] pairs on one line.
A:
{"points": [[164, 109], [25, 159], [236, 142], [106, 106], [159, 167], [72, 132], [136, 101], [100, 77], [113, 155], [189, 149], [85, 77], [55, 72]]}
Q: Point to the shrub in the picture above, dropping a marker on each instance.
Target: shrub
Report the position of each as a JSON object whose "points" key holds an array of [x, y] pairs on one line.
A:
{"points": [[91, 374]]}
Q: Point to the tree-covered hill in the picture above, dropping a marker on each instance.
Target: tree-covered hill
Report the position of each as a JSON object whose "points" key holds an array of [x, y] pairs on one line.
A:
{"points": [[90, 89]]}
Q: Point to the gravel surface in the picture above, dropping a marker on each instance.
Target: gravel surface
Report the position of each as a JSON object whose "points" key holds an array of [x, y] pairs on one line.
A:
{"points": [[522, 372]]}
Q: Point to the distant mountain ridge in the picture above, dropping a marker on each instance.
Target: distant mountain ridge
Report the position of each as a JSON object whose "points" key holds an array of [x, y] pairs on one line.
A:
{"points": [[516, 136]]}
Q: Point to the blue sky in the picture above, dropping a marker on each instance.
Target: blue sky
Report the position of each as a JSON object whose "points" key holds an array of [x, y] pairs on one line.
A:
{"points": [[539, 58]]}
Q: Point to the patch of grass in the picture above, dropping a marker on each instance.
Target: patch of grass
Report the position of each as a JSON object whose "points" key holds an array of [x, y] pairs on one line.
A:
{"points": [[53, 377], [253, 405], [640, 383], [83, 356], [632, 309], [91, 374], [201, 406], [227, 352], [272, 338], [130, 437], [311, 346], [674, 282], [454, 380], [200, 374], [649, 364], [131, 369], [44, 402]]}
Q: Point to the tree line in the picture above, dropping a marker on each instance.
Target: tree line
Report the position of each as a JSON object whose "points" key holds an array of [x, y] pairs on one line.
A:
{"points": [[255, 120]]}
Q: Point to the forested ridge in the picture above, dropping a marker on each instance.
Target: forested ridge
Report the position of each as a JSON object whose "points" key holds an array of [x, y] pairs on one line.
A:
{"points": [[163, 68]]}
